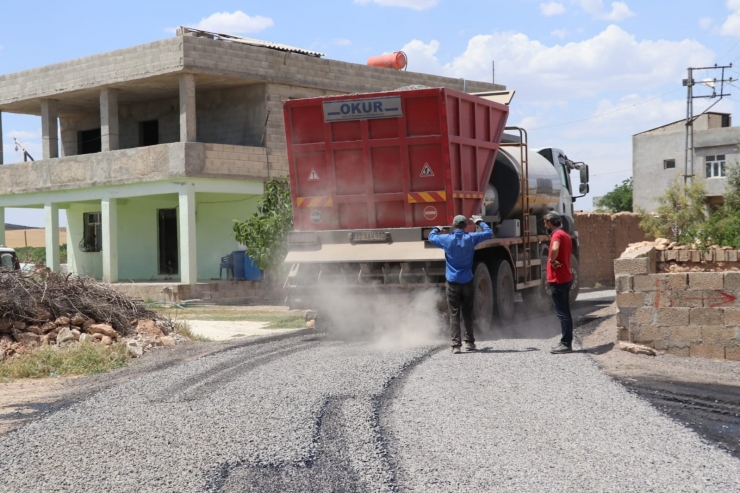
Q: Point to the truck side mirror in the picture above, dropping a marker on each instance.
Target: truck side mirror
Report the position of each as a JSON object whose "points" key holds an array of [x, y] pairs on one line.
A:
{"points": [[584, 174], [584, 188]]}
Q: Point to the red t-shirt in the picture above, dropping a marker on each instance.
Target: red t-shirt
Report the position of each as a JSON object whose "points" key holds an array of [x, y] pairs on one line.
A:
{"points": [[562, 274]]}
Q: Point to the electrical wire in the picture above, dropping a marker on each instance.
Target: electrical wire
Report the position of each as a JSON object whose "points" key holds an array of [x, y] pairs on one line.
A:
{"points": [[607, 113], [613, 172], [728, 51]]}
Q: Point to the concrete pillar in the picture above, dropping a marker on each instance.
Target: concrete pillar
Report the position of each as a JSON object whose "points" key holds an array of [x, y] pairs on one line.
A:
{"points": [[49, 128], [109, 217], [2, 225], [51, 213], [188, 238], [187, 108], [109, 120], [1, 138]]}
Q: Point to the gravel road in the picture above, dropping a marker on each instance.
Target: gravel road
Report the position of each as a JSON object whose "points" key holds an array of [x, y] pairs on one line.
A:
{"points": [[306, 414]]}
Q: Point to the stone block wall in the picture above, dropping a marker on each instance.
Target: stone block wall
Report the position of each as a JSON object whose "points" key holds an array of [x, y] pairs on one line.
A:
{"points": [[221, 159], [602, 238], [682, 313]]}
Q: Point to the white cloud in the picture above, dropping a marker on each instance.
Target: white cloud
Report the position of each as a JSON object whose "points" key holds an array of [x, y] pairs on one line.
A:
{"points": [[234, 23], [731, 26], [619, 12], [552, 8], [705, 22], [411, 4], [342, 42], [560, 33], [611, 60]]}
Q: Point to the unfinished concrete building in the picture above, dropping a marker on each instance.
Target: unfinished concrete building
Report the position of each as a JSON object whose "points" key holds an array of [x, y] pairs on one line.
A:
{"points": [[659, 156], [154, 150]]}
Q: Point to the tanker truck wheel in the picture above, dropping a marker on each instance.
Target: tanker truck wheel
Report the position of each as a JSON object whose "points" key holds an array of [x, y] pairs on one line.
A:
{"points": [[503, 291], [539, 298], [576, 282], [483, 296]]}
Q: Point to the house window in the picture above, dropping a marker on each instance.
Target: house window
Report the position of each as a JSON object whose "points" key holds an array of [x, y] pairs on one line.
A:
{"points": [[148, 133], [669, 164], [715, 166], [92, 237], [88, 141]]}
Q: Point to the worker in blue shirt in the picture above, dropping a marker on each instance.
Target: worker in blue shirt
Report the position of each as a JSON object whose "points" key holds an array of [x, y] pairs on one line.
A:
{"points": [[459, 247]]}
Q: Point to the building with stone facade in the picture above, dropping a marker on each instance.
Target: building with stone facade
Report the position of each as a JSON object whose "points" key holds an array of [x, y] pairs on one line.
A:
{"points": [[658, 157], [154, 150]]}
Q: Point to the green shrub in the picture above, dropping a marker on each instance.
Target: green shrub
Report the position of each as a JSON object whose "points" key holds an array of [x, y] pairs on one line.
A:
{"points": [[680, 215], [721, 229], [79, 359]]}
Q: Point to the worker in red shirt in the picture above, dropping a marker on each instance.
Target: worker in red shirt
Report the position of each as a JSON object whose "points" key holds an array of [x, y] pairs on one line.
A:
{"points": [[560, 279]]}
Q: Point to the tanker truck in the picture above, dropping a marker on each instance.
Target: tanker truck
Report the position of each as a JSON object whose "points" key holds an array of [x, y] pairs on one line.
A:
{"points": [[372, 174]]}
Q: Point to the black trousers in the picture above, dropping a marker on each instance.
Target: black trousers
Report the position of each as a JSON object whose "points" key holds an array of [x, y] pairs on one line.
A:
{"points": [[561, 300], [460, 302]]}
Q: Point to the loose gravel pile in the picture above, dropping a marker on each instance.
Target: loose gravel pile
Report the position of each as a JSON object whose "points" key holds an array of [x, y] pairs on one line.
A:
{"points": [[239, 420], [309, 415], [513, 417]]}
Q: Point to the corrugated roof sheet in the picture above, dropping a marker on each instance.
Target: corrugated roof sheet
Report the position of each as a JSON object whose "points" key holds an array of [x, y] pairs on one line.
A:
{"points": [[250, 41]]}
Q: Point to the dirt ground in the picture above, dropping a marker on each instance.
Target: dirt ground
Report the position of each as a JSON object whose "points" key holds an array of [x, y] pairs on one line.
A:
{"points": [[701, 393], [35, 237]]}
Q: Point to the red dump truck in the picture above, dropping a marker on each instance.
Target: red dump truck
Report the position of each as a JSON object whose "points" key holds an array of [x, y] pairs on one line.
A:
{"points": [[371, 174]]}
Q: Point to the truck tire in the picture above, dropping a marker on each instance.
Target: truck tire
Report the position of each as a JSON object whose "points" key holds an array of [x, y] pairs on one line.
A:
{"points": [[503, 291], [482, 296], [539, 298], [576, 286]]}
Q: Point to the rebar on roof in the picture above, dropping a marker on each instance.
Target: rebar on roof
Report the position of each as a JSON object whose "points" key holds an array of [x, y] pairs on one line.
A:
{"points": [[249, 41]]}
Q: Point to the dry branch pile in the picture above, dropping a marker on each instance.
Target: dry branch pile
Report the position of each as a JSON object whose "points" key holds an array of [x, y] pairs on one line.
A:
{"points": [[45, 308], [40, 297]]}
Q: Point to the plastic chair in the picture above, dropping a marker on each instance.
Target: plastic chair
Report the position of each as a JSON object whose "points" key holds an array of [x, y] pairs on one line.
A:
{"points": [[226, 263]]}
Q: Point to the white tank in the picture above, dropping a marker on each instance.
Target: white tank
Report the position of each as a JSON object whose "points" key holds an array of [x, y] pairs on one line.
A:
{"points": [[504, 188]]}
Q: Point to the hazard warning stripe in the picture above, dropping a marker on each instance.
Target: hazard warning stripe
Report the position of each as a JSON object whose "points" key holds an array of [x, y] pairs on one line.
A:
{"points": [[422, 197], [314, 202], [464, 195]]}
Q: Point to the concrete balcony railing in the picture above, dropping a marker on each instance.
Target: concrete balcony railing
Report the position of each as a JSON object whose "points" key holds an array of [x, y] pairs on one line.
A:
{"points": [[137, 165]]}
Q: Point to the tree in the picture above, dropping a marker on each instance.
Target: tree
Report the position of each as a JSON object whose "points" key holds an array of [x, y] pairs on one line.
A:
{"points": [[723, 226], [618, 200], [680, 213], [265, 233]]}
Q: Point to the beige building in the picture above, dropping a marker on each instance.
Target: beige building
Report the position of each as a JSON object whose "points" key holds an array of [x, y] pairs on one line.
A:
{"points": [[163, 145], [658, 157]]}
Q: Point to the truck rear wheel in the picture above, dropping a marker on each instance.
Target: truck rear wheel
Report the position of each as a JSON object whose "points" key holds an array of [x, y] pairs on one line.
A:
{"points": [[503, 291], [483, 296], [539, 298], [576, 286]]}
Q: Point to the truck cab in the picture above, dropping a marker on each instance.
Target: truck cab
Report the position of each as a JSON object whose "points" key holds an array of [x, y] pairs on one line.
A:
{"points": [[8, 259]]}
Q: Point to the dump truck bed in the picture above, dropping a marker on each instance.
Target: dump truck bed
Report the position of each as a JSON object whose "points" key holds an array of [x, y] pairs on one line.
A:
{"points": [[400, 159]]}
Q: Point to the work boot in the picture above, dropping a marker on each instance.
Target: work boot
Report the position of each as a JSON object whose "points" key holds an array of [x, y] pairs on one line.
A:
{"points": [[455, 349], [561, 349], [470, 346]]}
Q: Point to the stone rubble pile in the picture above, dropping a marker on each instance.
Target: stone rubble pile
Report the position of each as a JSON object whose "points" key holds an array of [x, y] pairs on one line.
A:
{"points": [[43, 308], [663, 244], [17, 337]]}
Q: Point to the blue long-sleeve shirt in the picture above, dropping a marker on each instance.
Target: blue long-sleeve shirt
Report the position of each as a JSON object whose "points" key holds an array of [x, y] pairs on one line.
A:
{"points": [[459, 248]]}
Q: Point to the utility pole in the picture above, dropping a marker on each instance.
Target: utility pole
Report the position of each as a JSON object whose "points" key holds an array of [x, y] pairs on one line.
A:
{"points": [[712, 84]]}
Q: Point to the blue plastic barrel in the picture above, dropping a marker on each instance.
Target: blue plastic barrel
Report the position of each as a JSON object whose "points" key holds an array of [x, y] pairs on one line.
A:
{"points": [[251, 271], [238, 258]]}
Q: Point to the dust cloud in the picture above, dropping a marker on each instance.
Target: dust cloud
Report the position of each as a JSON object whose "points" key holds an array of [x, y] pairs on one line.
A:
{"points": [[386, 320]]}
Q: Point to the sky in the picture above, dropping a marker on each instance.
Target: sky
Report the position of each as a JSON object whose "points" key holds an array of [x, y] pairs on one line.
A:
{"points": [[588, 74]]}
